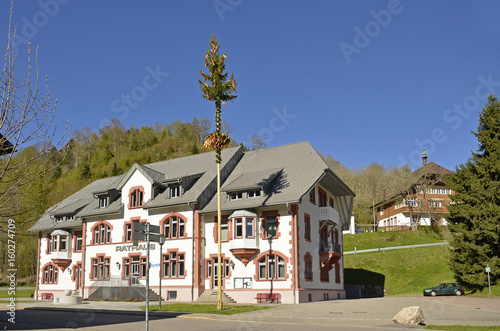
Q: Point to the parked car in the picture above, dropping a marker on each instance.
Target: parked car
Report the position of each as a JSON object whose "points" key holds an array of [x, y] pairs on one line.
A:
{"points": [[445, 289]]}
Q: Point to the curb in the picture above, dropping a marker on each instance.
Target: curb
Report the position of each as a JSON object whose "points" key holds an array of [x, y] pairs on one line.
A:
{"points": [[108, 311]]}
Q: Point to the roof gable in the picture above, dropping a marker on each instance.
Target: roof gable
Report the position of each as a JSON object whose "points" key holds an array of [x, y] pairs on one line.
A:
{"points": [[153, 176]]}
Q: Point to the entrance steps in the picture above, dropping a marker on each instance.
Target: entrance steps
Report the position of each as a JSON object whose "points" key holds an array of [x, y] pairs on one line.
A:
{"points": [[211, 296]]}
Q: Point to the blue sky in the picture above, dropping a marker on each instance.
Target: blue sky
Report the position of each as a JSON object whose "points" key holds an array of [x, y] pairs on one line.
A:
{"points": [[363, 81]]}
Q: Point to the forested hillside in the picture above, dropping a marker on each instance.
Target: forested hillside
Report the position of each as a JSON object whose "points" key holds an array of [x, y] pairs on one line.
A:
{"points": [[90, 155]]}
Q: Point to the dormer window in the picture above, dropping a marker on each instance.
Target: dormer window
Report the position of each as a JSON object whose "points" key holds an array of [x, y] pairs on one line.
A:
{"points": [[59, 218], [254, 193], [136, 197], [235, 196], [70, 217], [103, 202], [175, 191]]}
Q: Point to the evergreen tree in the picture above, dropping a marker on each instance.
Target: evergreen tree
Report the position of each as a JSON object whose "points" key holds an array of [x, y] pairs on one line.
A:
{"points": [[475, 211]]}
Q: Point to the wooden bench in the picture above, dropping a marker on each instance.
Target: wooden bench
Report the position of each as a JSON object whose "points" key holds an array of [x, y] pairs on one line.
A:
{"points": [[47, 296], [268, 297]]}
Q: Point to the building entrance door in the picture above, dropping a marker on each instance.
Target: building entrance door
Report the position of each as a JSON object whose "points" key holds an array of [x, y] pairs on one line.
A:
{"points": [[216, 274], [135, 274]]}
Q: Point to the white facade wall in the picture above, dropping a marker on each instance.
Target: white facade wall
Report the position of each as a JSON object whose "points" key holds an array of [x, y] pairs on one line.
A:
{"points": [[312, 247], [249, 273], [64, 277], [239, 273]]}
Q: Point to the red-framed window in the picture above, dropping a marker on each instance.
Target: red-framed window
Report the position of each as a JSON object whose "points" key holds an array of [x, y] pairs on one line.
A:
{"points": [[101, 233], [134, 259], [226, 229], [212, 261], [308, 272], [77, 241], [136, 197], [337, 272], [57, 243], [323, 198], [50, 273], [271, 266], [270, 221], [312, 196], [244, 227], [174, 226], [127, 229], [100, 267], [307, 227], [174, 265]]}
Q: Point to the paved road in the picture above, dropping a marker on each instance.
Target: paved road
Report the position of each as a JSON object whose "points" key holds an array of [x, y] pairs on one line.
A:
{"points": [[366, 314]]}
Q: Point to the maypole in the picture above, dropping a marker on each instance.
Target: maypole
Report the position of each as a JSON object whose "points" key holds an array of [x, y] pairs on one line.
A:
{"points": [[216, 87]]}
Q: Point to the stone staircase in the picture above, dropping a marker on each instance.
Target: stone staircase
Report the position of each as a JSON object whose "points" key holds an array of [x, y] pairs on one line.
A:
{"points": [[210, 296], [122, 293]]}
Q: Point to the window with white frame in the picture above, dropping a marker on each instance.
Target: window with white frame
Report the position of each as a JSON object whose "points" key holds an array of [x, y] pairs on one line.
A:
{"points": [[244, 227], [175, 191], [235, 196], [103, 201], [173, 265], [271, 266], [102, 234], [434, 203], [100, 267], [136, 198], [174, 227], [50, 274], [254, 193], [79, 242]]}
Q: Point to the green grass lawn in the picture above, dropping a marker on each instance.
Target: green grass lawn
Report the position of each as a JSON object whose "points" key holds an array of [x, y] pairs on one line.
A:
{"points": [[205, 308], [20, 293], [405, 271], [369, 240], [401, 272]]}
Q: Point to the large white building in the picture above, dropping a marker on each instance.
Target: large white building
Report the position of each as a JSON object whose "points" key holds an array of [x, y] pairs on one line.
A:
{"points": [[283, 212]]}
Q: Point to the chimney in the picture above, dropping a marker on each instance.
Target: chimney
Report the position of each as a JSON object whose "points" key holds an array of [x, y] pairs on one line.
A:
{"points": [[424, 157], [385, 194]]}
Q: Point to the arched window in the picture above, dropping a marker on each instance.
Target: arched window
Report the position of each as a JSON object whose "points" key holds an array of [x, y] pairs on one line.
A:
{"points": [[271, 266], [307, 227], [308, 273], [101, 233], [136, 197], [50, 274], [174, 227]]}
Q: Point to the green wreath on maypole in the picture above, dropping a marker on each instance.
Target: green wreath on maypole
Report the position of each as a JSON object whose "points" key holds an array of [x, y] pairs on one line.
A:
{"points": [[216, 86]]}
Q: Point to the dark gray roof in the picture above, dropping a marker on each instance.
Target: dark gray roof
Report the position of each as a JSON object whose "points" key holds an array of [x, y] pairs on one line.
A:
{"points": [[92, 209], [252, 180], [301, 169], [203, 164], [153, 176], [75, 204], [84, 202]]}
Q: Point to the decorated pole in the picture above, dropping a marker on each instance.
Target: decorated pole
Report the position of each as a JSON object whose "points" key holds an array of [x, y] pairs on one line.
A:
{"points": [[216, 87]]}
